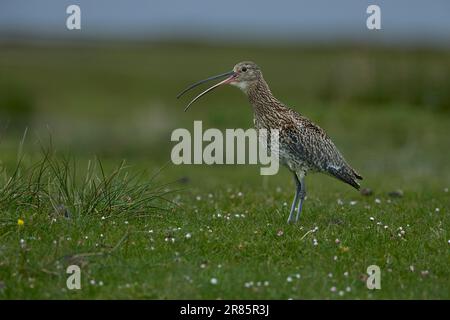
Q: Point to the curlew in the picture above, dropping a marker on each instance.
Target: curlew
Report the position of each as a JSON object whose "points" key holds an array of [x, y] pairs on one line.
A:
{"points": [[303, 146]]}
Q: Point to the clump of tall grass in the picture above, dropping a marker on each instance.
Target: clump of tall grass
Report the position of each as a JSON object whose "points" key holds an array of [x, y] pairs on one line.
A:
{"points": [[59, 185]]}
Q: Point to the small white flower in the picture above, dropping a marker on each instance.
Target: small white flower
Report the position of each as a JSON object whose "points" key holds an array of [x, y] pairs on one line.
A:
{"points": [[214, 281], [371, 218], [330, 275], [240, 194], [198, 198], [92, 282], [437, 209], [266, 283], [289, 279], [341, 293], [377, 201], [188, 235], [340, 202], [352, 203], [333, 289], [348, 289], [298, 276], [346, 274]]}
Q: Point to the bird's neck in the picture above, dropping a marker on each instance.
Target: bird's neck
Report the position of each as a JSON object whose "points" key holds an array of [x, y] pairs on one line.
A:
{"points": [[261, 98]]}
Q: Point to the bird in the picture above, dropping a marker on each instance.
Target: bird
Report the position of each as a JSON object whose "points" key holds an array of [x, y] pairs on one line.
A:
{"points": [[304, 147]]}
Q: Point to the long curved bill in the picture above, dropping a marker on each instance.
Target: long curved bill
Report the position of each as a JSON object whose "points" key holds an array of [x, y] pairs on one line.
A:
{"points": [[230, 78]]}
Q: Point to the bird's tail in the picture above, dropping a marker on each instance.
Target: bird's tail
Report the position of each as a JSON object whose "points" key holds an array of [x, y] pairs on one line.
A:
{"points": [[348, 175], [356, 174], [351, 180]]}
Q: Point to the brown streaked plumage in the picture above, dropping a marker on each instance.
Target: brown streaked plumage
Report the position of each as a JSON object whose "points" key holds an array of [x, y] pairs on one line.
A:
{"points": [[304, 147]]}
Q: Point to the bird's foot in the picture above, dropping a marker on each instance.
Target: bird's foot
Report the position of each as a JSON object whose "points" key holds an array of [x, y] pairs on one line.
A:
{"points": [[292, 218], [299, 209]]}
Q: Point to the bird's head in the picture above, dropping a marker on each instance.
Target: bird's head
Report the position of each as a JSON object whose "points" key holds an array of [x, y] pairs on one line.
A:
{"points": [[244, 75]]}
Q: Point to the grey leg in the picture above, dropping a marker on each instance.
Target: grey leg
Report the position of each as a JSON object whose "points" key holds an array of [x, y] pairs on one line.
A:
{"points": [[294, 203], [302, 197]]}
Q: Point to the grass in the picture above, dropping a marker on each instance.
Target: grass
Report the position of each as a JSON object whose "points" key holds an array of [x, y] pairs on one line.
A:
{"points": [[145, 228], [128, 246]]}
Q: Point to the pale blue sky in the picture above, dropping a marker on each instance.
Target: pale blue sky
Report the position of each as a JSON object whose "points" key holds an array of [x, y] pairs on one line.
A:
{"points": [[403, 21]]}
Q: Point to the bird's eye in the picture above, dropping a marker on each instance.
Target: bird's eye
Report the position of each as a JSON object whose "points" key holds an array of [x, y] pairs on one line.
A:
{"points": [[244, 69]]}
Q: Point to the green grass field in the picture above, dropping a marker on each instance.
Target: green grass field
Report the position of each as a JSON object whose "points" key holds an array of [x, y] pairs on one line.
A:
{"points": [[92, 184]]}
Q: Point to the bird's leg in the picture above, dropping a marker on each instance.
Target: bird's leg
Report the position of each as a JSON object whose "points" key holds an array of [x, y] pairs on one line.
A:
{"points": [[294, 203], [302, 197]]}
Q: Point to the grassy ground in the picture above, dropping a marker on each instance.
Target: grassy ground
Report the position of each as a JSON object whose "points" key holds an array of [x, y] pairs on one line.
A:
{"points": [[149, 229]]}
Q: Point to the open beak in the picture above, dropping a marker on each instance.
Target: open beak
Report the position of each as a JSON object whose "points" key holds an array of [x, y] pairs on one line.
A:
{"points": [[230, 77]]}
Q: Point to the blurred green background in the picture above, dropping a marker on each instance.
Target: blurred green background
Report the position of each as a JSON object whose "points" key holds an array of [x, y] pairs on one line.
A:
{"points": [[388, 110]]}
